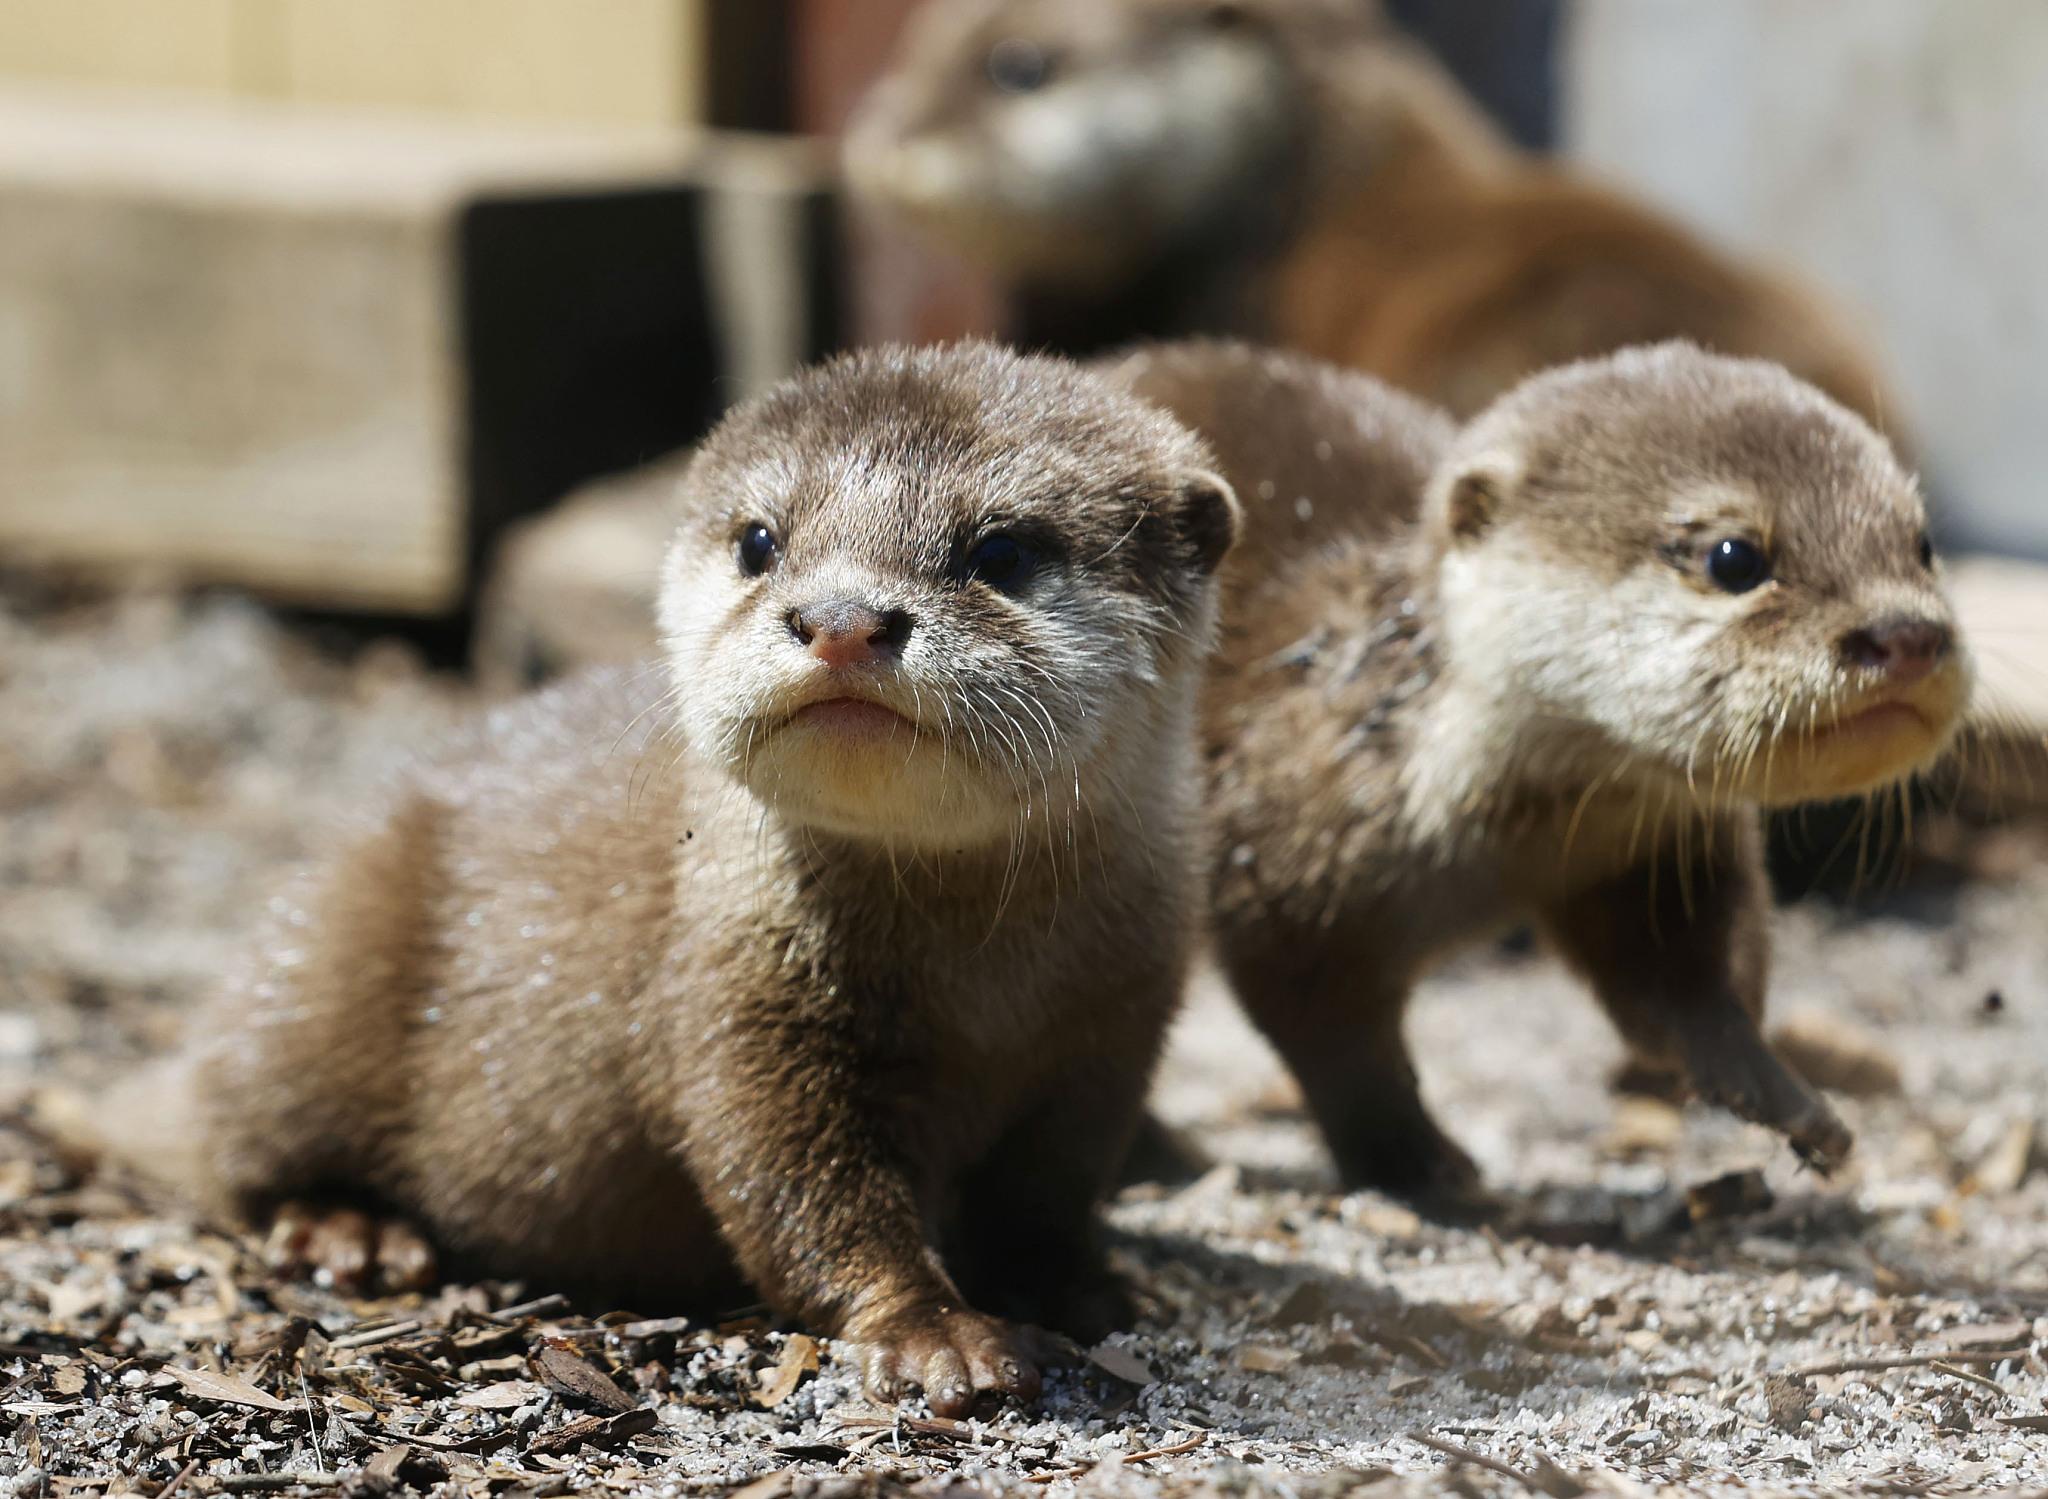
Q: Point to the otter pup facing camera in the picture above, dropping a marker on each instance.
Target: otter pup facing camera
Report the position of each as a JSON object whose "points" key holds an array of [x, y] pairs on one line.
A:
{"points": [[1548, 668], [838, 967]]}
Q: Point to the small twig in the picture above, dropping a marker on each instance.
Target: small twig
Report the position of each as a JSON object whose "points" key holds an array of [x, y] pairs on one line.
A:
{"points": [[540, 1306], [375, 1336], [1054, 1475], [1476, 1459], [1968, 1378], [1884, 1362], [177, 1479], [263, 1483], [312, 1429], [1174, 1451]]}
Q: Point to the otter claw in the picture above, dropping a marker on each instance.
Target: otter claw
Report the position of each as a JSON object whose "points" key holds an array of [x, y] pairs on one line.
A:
{"points": [[956, 1357]]}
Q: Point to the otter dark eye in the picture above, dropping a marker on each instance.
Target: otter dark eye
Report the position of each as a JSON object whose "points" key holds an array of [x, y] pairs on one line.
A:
{"points": [[1736, 566], [1002, 562], [1017, 67], [1926, 551], [757, 549]]}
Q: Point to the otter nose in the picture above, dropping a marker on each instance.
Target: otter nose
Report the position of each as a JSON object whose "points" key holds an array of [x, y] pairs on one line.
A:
{"points": [[842, 632], [1900, 646]]}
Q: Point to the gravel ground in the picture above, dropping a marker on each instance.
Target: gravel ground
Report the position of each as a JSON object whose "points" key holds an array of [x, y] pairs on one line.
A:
{"points": [[1609, 1330]]}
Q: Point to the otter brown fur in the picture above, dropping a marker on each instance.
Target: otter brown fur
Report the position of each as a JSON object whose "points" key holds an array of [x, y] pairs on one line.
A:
{"points": [[835, 964], [1472, 678], [1298, 172]]}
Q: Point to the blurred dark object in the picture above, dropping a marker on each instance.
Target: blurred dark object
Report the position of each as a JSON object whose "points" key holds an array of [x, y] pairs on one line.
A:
{"points": [[1502, 52], [586, 344], [750, 64]]}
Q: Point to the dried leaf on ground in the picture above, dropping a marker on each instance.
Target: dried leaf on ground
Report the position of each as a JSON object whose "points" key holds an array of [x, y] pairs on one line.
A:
{"points": [[574, 1376], [799, 1357], [505, 1395], [230, 1389], [1123, 1363]]}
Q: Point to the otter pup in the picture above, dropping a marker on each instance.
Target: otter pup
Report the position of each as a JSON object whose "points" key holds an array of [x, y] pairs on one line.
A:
{"points": [[1548, 668], [1300, 172], [835, 966]]}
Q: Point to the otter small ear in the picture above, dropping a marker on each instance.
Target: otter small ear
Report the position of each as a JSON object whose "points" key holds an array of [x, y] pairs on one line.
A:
{"points": [[1207, 516], [1474, 495]]}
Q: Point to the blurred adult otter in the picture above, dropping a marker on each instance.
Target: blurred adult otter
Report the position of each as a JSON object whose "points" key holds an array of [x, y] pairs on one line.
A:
{"points": [[836, 965], [1546, 668], [1298, 172]]}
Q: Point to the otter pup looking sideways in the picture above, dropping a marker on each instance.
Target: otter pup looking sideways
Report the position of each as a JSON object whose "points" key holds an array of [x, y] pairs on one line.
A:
{"points": [[838, 968], [1548, 668]]}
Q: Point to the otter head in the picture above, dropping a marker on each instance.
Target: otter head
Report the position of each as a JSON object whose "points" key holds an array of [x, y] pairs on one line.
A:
{"points": [[934, 598], [1707, 567], [1069, 142]]}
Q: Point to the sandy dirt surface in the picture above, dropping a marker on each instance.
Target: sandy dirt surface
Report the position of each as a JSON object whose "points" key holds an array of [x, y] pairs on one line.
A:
{"points": [[1639, 1314]]}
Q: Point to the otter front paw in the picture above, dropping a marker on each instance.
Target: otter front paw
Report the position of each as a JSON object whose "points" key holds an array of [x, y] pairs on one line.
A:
{"points": [[1410, 1159], [1737, 1071], [350, 1249], [955, 1356]]}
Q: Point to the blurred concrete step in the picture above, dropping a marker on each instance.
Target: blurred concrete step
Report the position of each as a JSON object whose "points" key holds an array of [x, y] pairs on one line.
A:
{"points": [[331, 356]]}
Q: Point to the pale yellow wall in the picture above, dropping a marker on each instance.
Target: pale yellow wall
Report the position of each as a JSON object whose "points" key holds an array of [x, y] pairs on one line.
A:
{"points": [[589, 61], [182, 44]]}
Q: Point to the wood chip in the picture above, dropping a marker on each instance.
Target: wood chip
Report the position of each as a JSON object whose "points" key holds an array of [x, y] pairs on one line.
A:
{"points": [[1789, 1400], [272, 1483], [1122, 1363], [371, 1337], [764, 1487], [655, 1327], [597, 1430], [1174, 1451], [1831, 1053], [540, 1306], [1739, 1194], [799, 1357], [1643, 1127], [505, 1395], [1255, 1359], [2006, 1164], [229, 1389], [571, 1375], [387, 1463]]}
